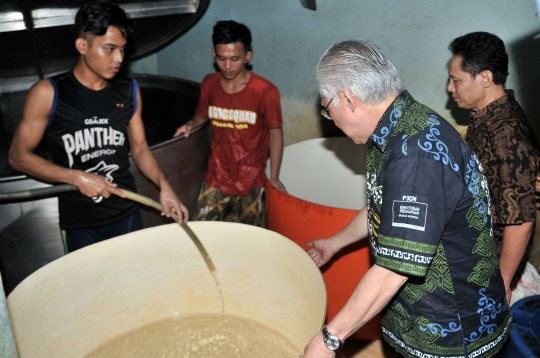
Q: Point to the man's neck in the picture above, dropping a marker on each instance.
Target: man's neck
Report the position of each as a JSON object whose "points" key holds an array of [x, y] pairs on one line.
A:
{"points": [[493, 93], [383, 106], [375, 112], [236, 84], [88, 78]]}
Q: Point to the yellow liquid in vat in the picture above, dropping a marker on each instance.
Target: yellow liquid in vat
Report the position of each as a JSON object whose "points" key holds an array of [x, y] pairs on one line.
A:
{"points": [[197, 336]]}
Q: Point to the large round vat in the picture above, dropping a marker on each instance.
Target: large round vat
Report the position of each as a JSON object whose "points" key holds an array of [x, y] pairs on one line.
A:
{"points": [[326, 183], [76, 303]]}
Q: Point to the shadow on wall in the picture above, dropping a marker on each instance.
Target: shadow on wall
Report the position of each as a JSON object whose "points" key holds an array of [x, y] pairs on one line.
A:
{"points": [[460, 115], [329, 128], [356, 163], [525, 53]]}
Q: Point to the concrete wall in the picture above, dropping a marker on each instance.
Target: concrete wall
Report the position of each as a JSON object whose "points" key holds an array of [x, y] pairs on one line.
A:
{"points": [[289, 40]]}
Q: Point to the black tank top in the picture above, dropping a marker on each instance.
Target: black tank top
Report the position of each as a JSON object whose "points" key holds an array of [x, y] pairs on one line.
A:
{"points": [[87, 130]]}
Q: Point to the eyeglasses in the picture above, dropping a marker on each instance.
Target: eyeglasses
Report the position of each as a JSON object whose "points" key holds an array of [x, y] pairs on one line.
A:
{"points": [[325, 112]]}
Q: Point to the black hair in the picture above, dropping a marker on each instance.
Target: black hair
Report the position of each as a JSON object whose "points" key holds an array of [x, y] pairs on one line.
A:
{"points": [[226, 32], [95, 17], [482, 51]]}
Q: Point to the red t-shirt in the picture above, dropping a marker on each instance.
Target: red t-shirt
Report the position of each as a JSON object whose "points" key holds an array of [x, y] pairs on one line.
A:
{"points": [[240, 137]]}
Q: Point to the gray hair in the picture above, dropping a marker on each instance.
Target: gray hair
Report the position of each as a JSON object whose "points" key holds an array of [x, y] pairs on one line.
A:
{"points": [[361, 67]]}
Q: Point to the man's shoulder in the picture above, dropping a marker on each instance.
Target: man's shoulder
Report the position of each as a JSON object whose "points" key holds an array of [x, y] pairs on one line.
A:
{"points": [[43, 89], [414, 116], [211, 82], [59, 79], [262, 81], [421, 131], [503, 108], [211, 78], [408, 102], [123, 78], [67, 78], [123, 83], [60, 76], [507, 115]]}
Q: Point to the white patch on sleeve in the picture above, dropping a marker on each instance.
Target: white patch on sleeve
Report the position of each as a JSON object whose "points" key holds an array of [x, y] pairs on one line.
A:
{"points": [[409, 214]]}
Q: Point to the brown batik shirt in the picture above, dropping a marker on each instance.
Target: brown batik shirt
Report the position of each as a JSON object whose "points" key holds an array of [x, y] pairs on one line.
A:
{"points": [[503, 140]]}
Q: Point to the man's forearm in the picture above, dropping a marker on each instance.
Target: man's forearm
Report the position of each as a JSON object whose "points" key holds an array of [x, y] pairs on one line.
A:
{"points": [[378, 286], [276, 151], [40, 168], [515, 240], [198, 120], [148, 165], [356, 230]]}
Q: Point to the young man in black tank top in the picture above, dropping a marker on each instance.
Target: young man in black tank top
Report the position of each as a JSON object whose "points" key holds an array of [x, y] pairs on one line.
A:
{"points": [[92, 121]]}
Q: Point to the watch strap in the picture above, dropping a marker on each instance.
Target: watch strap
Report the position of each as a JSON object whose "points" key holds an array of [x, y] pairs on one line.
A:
{"points": [[331, 341]]}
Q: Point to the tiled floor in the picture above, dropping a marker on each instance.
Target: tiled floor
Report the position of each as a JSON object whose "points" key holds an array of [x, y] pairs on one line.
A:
{"points": [[367, 349]]}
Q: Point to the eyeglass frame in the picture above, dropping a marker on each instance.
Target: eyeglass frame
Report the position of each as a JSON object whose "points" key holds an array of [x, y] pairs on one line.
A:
{"points": [[324, 111]]}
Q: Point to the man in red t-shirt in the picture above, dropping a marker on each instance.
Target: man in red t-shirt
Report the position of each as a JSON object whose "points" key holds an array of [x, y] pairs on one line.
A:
{"points": [[244, 110]]}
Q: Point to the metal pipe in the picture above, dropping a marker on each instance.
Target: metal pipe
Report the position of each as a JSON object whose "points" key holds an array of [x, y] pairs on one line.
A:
{"points": [[35, 194]]}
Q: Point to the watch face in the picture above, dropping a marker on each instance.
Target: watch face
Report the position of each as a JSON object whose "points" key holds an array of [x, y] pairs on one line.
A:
{"points": [[332, 343]]}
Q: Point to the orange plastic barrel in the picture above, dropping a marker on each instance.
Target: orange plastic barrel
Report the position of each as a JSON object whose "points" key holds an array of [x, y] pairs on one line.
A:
{"points": [[326, 183]]}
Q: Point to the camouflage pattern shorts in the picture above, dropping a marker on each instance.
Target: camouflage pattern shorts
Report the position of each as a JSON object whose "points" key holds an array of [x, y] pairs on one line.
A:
{"points": [[212, 205]]}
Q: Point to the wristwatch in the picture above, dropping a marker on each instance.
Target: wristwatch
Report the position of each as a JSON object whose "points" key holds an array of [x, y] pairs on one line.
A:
{"points": [[332, 342]]}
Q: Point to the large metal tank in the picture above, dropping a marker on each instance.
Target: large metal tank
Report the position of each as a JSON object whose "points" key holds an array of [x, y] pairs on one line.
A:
{"points": [[37, 42]]}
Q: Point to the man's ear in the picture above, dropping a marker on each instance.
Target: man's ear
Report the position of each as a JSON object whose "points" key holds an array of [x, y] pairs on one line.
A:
{"points": [[249, 54], [487, 78], [81, 45], [348, 98]]}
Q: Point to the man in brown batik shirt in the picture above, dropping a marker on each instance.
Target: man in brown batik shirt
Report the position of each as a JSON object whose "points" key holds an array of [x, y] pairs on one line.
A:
{"points": [[503, 140]]}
